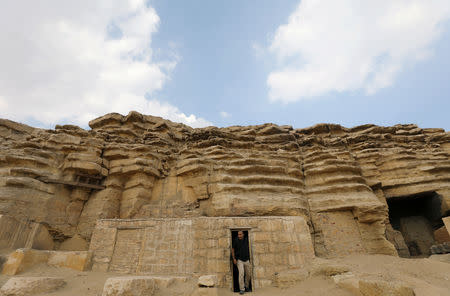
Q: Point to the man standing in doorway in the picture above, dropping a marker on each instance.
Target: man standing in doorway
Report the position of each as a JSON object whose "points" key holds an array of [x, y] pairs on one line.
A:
{"points": [[241, 258]]}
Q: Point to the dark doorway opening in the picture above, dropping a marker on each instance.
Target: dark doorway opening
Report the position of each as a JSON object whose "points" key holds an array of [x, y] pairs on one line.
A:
{"points": [[234, 233], [416, 217]]}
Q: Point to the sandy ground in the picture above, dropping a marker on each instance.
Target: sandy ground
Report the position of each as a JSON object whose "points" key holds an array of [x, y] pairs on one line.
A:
{"points": [[427, 277]]}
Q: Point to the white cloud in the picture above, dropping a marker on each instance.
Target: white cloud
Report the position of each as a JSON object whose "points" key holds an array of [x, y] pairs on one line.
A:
{"points": [[348, 45], [224, 114], [170, 112], [61, 64]]}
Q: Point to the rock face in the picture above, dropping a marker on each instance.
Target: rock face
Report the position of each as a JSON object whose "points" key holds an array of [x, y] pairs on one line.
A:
{"points": [[28, 286], [129, 286], [207, 281], [349, 184]]}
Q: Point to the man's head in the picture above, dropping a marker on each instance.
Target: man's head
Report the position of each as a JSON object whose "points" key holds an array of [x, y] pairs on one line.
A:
{"points": [[240, 234]]}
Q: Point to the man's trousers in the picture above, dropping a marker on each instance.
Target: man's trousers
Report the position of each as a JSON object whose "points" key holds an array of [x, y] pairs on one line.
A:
{"points": [[244, 267]]}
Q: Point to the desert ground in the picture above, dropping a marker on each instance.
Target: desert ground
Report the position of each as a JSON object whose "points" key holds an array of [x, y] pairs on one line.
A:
{"points": [[426, 276]]}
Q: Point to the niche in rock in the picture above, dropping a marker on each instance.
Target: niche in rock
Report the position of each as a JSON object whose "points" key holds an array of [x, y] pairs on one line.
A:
{"points": [[416, 217]]}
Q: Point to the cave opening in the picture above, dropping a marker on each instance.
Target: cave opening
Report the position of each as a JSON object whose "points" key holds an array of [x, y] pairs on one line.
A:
{"points": [[416, 217]]}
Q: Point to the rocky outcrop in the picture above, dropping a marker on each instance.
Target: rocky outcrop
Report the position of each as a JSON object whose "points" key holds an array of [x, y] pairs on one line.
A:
{"points": [[143, 285], [132, 286], [138, 166], [28, 286], [23, 259]]}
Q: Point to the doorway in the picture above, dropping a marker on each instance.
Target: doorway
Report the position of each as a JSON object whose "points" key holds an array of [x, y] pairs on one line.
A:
{"points": [[416, 217], [235, 272]]}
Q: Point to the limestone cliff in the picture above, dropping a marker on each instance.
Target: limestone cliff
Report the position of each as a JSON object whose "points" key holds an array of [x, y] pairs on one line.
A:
{"points": [[138, 166]]}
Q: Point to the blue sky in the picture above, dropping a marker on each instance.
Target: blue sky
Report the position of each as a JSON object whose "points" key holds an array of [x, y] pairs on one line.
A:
{"points": [[228, 62]]}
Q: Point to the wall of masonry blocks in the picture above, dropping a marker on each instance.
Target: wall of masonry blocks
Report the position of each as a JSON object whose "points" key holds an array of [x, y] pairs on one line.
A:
{"points": [[198, 246], [16, 234]]}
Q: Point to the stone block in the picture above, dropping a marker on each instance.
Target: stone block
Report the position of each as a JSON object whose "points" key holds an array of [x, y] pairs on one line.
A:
{"points": [[262, 283], [441, 235], [260, 248], [207, 281], [78, 260], [283, 237], [215, 253], [446, 221], [442, 258], [167, 281], [261, 237], [259, 272], [384, 288], [224, 242], [223, 266], [22, 259], [129, 286], [266, 260], [28, 286]]}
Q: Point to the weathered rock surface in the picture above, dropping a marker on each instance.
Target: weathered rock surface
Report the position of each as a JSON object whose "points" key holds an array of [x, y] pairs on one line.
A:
{"points": [[384, 288], [371, 287], [441, 235], [446, 221], [75, 243], [138, 166], [22, 259], [28, 286], [207, 281], [129, 286], [347, 281], [143, 285], [325, 267]]}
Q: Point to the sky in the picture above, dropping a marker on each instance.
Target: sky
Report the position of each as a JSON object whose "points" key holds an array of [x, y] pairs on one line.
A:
{"points": [[226, 63]]}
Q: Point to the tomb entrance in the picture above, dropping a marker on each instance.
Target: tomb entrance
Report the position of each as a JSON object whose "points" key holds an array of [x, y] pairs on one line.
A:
{"points": [[234, 269], [416, 217]]}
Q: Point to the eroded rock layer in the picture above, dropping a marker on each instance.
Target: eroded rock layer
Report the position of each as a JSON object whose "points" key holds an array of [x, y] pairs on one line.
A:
{"points": [[339, 179]]}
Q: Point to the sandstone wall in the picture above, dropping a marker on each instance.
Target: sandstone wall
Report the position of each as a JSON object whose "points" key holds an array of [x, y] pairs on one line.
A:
{"points": [[23, 234], [140, 166], [199, 246]]}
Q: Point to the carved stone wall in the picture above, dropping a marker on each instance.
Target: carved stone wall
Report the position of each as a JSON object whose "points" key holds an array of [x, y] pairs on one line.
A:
{"points": [[200, 246]]}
